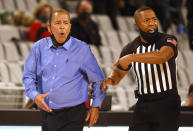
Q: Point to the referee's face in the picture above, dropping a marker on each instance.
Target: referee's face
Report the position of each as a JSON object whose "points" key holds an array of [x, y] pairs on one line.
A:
{"points": [[147, 21]]}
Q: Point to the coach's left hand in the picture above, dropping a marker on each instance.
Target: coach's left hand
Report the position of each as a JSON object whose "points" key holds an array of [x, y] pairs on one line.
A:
{"points": [[93, 115]]}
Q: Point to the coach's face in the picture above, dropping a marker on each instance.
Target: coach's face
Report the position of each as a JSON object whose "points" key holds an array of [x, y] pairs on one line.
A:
{"points": [[147, 21], [60, 26]]}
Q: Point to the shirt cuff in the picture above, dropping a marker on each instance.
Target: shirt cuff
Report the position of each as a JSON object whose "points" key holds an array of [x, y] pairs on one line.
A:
{"points": [[97, 102], [33, 95]]}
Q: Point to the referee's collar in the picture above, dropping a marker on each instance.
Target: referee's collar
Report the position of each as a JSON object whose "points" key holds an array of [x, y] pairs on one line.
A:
{"points": [[147, 44], [144, 44]]}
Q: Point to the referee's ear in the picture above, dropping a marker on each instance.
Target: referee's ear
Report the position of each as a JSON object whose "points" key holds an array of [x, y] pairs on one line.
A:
{"points": [[136, 26]]}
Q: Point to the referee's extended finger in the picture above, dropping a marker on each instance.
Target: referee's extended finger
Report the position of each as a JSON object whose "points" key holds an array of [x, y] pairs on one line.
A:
{"points": [[103, 85]]}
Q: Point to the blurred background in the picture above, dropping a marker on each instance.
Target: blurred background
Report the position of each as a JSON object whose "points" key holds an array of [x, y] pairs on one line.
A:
{"points": [[107, 25]]}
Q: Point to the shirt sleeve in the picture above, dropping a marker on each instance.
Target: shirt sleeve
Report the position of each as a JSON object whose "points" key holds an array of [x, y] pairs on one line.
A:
{"points": [[126, 50], [29, 75], [172, 42], [94, 76], [98, 95]]}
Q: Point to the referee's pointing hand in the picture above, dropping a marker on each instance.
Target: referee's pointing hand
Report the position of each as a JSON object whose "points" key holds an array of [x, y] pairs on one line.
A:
{"points": [[106, 82]]}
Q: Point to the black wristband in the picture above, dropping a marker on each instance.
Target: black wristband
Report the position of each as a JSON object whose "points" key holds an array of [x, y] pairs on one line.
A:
{"points": [[119, 66]]}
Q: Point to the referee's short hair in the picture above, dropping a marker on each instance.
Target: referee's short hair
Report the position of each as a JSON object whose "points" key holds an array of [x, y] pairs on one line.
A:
{"points": [[143, 9], [137, 12]]}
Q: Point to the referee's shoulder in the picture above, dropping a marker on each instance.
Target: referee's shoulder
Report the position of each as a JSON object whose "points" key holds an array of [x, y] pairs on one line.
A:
{"points": [[131, 44], [165, 36]]}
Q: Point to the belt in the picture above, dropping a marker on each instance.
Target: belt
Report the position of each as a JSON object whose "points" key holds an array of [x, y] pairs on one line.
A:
{"points": [[158, 96], [66, 108]]}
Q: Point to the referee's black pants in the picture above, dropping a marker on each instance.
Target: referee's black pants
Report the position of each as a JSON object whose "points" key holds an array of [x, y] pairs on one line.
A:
{"points": [[68, 119], [157, 115]]}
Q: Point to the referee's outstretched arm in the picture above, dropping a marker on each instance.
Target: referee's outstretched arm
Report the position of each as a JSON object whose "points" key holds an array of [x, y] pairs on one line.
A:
{"points": [[114, 78], [154, 57]]}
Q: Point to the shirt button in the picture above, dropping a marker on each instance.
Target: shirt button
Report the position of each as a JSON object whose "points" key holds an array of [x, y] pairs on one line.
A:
{"points": [[53, 78], [57, 53], [54, 65]]}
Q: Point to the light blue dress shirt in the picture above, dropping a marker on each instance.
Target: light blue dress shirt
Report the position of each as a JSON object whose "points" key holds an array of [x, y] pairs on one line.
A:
{"points": [[64, 72]]}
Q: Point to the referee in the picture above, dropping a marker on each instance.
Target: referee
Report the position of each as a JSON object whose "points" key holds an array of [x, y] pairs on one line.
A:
{"points": [[152, 55]]}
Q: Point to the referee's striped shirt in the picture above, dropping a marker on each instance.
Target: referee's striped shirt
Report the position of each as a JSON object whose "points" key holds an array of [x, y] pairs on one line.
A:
{"points": [[153, 78]]}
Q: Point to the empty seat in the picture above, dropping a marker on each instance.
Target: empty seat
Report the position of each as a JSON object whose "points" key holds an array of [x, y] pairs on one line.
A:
{"points": [[104, 23], [30, 44], [31, 5], [95, 51], [11, 52], [130, 22], [123, 26], [188, 54], [71, 5], [183, 78], [1, 5], [113, 39], [124, 38], [180, 60], [72, 15], [183, 42], [183, 93], [8, 32], [21, 5], [9, 5], [55, 3], [94, 18], [103, 38], [131, 96], [24, 50], [4, 73], [24, 33], [172, 30], [189, 64], [159, 27], [107, 70], [116, 54], [2, 55], [15, 71], [107, 55], [122, 97]]}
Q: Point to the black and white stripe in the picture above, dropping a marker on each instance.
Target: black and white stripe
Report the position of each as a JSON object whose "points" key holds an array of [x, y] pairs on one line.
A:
{"points": [[152, 78]]}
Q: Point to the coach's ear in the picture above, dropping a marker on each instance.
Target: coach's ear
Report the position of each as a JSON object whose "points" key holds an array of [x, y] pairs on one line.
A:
{"points": [[49, 27]]}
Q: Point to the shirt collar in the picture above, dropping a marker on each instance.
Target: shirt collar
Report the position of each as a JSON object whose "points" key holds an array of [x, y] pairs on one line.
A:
{"points": [[66, 45]]}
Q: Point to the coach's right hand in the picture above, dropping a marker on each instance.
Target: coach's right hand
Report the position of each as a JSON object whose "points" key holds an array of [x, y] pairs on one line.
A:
{"points": [[106, 82], [39, 100]]}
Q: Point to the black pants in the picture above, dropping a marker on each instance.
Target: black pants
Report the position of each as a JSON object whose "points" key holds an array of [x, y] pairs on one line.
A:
{"points": [[70, 119], [157, 115]]}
